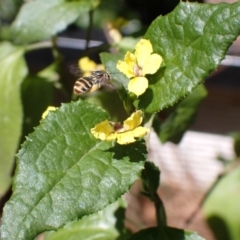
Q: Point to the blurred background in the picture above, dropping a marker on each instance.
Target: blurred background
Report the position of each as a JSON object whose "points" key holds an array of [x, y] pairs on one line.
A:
{"points": [[190, 168]]}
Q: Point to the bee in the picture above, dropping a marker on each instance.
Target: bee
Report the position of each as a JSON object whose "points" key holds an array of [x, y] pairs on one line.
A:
{"points": [[92, 83]]}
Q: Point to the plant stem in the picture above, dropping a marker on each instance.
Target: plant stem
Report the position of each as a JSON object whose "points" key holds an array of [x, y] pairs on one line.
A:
{"points": [[39, 45], [103, 47], [160, 216], [89, 31], [55, 51], [160, 211]]}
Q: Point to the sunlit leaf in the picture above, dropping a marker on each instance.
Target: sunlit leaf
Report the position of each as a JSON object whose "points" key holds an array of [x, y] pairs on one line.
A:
{"points": [[40, 19], [222, 207], [107, 224], [192, 39], [12, 72], [64, 173]]}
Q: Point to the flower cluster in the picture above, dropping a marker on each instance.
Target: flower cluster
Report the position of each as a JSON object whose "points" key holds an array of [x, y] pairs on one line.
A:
{"points": [[136, 65], [124, 134]]}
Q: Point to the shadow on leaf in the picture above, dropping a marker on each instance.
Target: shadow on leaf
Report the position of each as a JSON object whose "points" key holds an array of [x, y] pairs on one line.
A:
{"points": [[219, 228], [133, 152], [120, 226], [154, 83]]}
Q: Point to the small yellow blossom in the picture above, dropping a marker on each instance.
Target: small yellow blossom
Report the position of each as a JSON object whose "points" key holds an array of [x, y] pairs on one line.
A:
{"points": [[50, 108], [113, 34], [136, 66], [104, 131], [87, 66], [125, 134]]}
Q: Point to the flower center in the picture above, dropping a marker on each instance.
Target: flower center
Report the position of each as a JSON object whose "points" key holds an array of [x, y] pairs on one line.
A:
{"points": [[137, 71], [118, 127]]}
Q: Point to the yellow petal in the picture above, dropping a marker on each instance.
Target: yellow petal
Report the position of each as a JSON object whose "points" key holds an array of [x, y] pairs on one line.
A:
{"points": [[125, 138], [127, 66], [133, 121], [143, 50], [140, 132], [50, 108], [125, 69], [138, 85], [111, 137], [130, 59], [86, 64], [102, 130], [152, 64]]}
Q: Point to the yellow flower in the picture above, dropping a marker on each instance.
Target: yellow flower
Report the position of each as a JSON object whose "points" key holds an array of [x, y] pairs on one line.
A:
{"points": [[125, 134], [136, 66], [87, 66], [104, 131], [50, 108]]}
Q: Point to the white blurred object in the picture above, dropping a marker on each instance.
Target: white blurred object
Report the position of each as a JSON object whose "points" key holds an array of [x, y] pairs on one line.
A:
{"points": [[194, 161], [233, 61]]}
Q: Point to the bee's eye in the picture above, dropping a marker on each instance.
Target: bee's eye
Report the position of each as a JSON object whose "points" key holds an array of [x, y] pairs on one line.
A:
{"points": [[96, 73]]}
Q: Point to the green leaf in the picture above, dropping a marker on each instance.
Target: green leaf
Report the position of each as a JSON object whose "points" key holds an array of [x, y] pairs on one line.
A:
{"points": [[150, 178], [110, 62], [119, 80], [236, 145], [13, 70], [9, 8], [114, 107], [170, 234], [193, 39], [37, 95], [222, 207], [107, 224], [185, 113], [127, 43], [40, 19], [64, 173]]}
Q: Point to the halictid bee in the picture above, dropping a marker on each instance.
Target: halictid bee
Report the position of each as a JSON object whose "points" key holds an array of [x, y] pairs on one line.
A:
{"points": [[92, 83]]}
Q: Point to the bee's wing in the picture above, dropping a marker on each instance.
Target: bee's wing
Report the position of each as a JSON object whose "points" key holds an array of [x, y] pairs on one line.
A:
{"points": [[109, 85], [75, 70]]}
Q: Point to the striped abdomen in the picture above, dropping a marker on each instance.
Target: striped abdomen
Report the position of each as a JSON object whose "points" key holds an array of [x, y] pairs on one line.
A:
{"points": [[83, 85]]}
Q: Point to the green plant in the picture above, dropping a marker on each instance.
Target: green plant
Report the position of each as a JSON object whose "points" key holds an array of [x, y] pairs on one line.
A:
{"points": [[63, 173]]}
